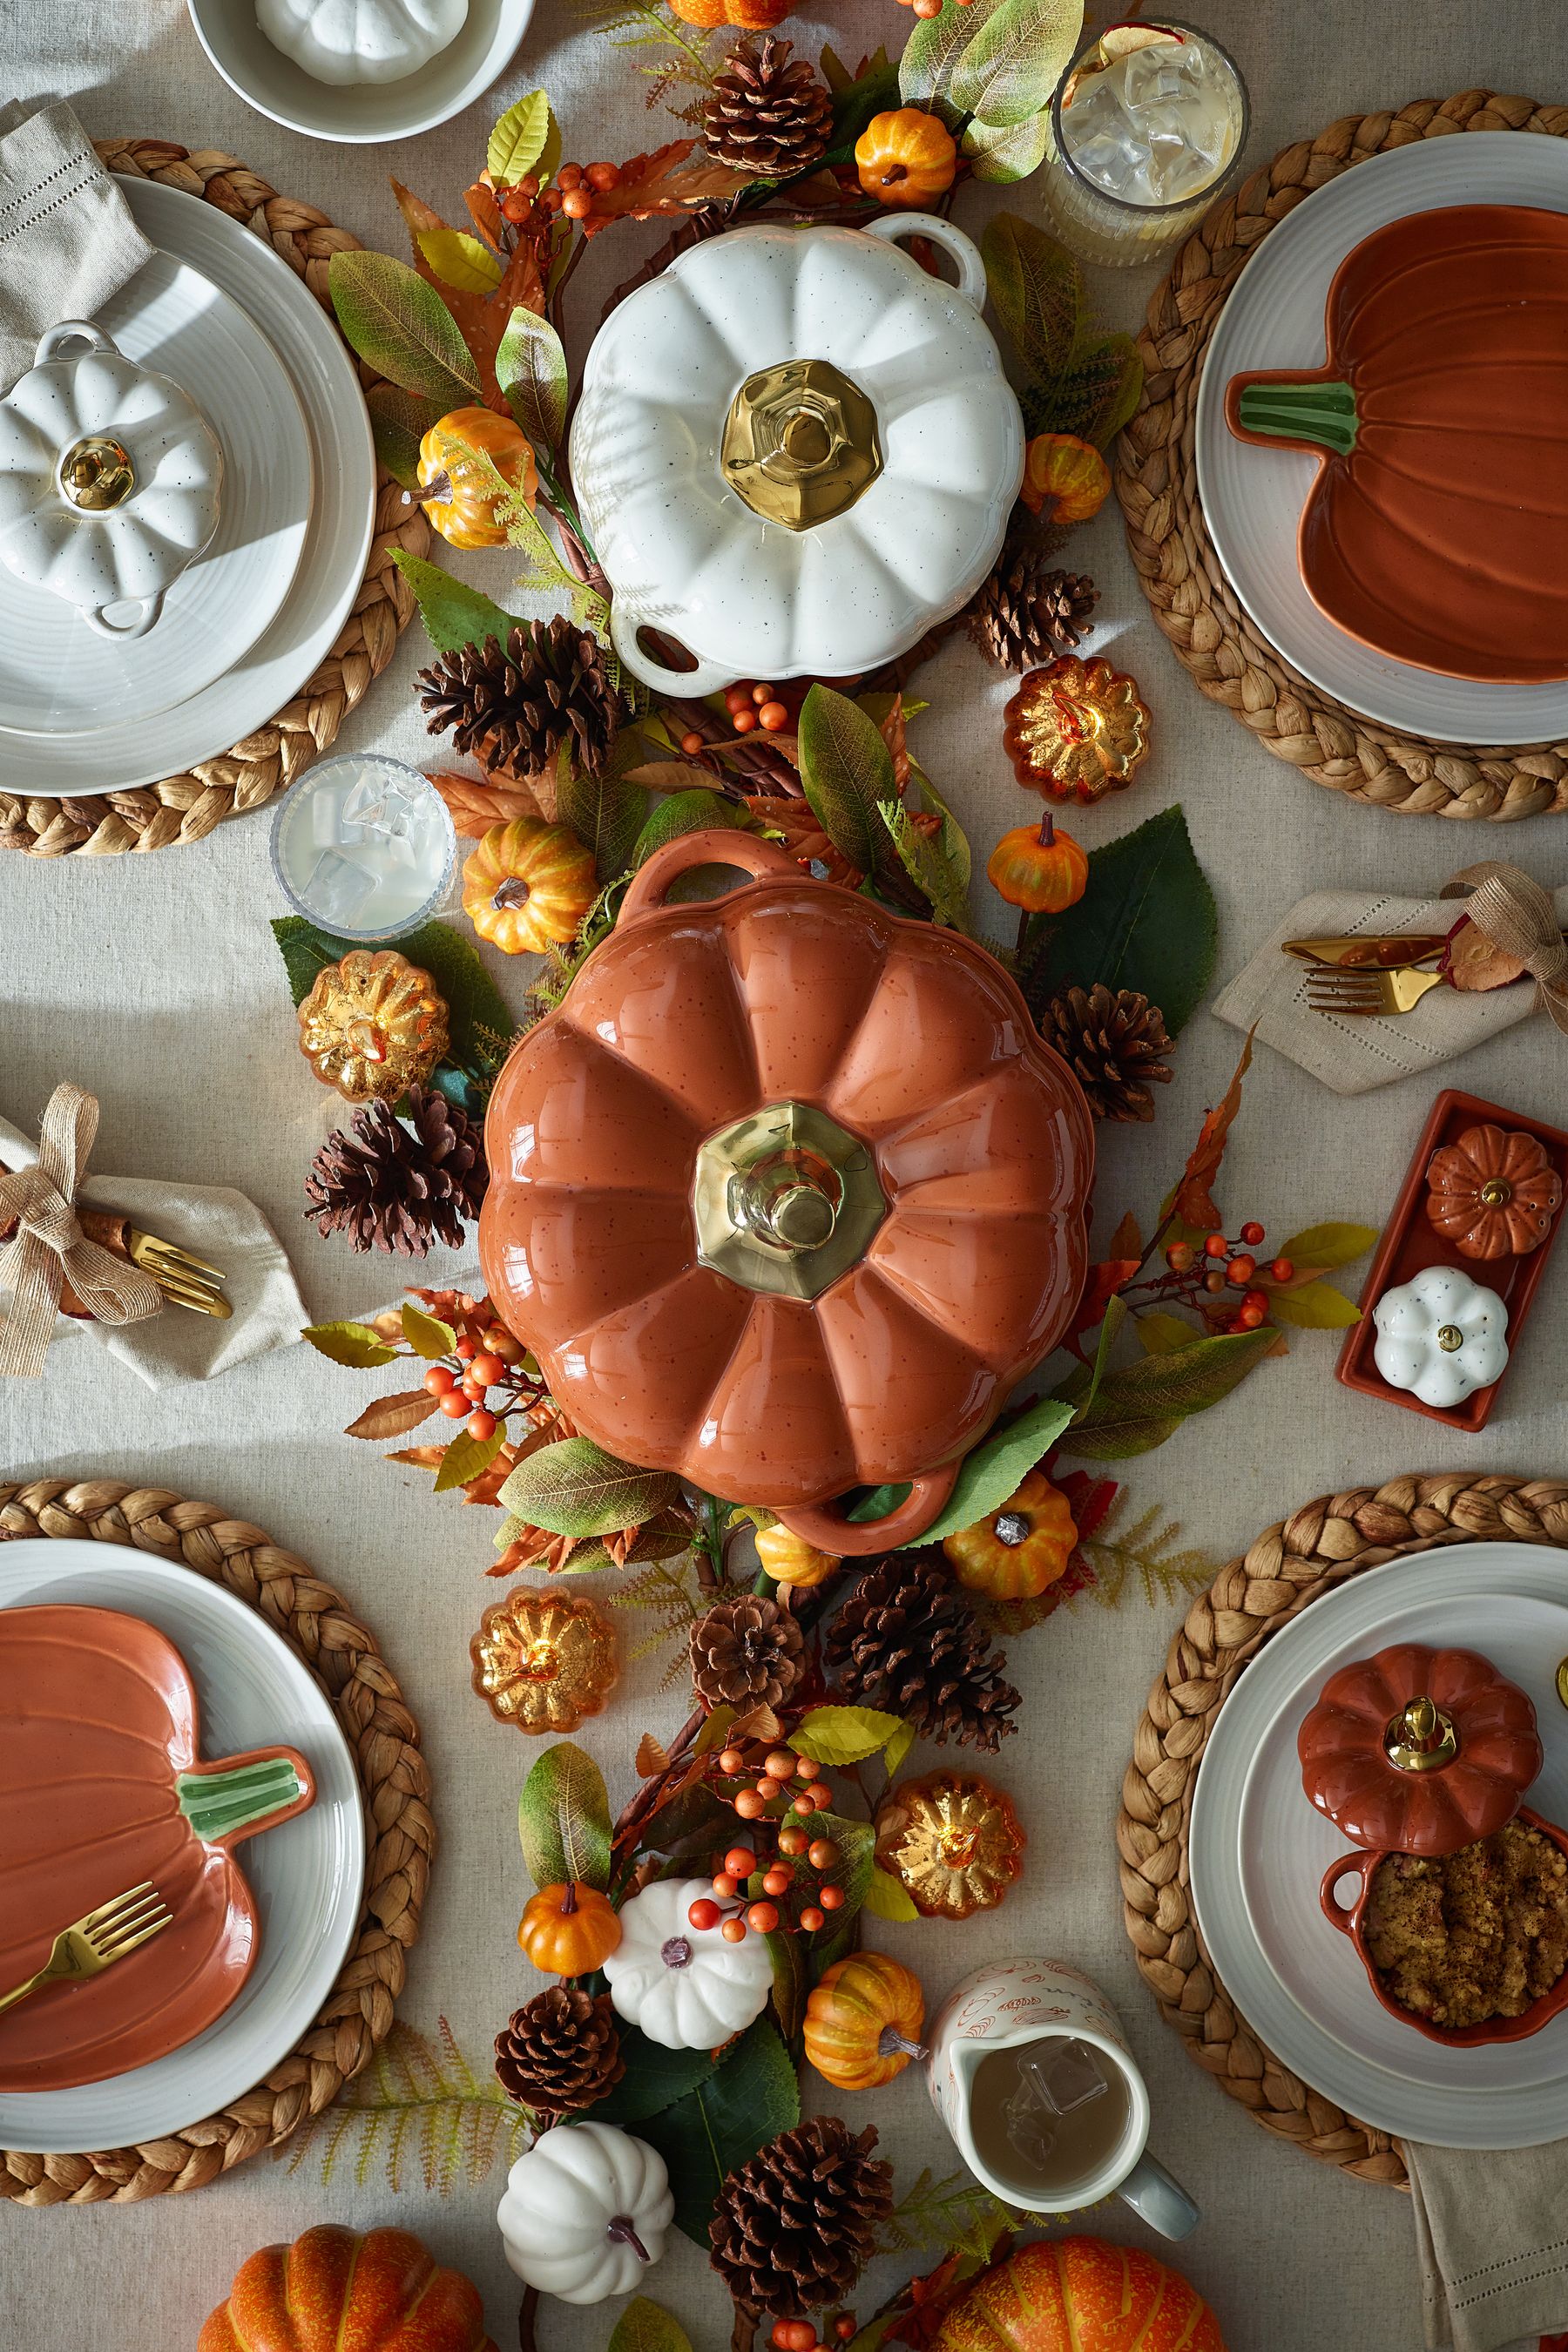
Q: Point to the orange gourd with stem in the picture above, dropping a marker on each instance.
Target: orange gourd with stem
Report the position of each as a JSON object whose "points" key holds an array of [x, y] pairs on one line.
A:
{"points": [[1066, 480], [569, 1930], [863, 2022], [1063, 2294], [1038, 870], [527, 884], [1019, 1550], [381, 2293], [456, 461], [790, 1560], [751, 15], [905, 158]]}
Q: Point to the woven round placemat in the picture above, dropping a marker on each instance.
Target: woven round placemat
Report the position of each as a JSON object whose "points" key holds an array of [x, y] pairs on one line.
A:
{"points": [[356, 2015], [185, 807], [1288, 1568], [1156, 480]]}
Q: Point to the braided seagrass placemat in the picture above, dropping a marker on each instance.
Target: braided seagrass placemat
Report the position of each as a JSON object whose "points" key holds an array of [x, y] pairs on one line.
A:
{"points": [[315, 1621], [1287, 1567], [1156, 480], [184, 807]]}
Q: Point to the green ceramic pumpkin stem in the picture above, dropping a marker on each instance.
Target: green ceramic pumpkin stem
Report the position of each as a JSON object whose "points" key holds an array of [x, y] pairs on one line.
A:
{"points": [[1321, 413], [216, 1804]]}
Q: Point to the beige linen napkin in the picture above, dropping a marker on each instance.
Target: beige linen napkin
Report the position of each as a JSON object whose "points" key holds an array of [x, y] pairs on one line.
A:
{"points": [[66, 238], [1354, 1055], [1491, 2234], [214, 1224]]}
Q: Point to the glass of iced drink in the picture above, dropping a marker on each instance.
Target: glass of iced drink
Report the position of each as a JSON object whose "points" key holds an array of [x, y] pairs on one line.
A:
{"points": [[1147, 124], [364, 847]]}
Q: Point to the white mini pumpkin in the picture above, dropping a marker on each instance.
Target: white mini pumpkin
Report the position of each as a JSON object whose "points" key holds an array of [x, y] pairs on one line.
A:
{"points": [[1440, 1336], [683, 1986], [360, 40], [586, 2211]]}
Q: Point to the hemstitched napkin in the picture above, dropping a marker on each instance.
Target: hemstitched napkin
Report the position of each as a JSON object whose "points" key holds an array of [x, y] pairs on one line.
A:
{"points": [[1352, 1054], [66, 238], [214, 1224], [1491, 2236]]}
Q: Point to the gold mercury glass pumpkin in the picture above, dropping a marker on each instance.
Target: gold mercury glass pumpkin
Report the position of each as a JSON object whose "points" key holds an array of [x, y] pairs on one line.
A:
{"points": [[543, 1661], [1077, 730], [372, 1024]]}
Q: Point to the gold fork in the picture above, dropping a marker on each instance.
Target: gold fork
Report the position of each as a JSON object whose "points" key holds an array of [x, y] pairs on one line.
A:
{"points": [[188, 1281], [1364, 991], [99, 1939]]}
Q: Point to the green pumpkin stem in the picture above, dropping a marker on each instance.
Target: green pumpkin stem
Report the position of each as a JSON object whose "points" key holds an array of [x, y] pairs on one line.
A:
{"points": [[1322, 414], [216, 1804]]}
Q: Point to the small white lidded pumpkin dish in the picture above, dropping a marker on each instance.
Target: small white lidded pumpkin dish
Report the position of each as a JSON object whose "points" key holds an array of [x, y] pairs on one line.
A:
{"points": [[110, 480], [1441, 1335], [586, 2211], [795, 450], [685, 1987], [341, 41]]}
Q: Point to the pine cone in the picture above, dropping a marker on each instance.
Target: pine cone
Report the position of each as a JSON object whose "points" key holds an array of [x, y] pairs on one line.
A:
{"points": [[561, 2051], [794, 2227], [908, 1642], [1113, 1040], [746, 1654], [394, 1187], [1028, 612], [766, 116], [515, 707]]}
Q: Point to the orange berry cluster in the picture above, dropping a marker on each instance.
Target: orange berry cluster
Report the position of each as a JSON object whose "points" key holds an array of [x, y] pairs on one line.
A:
{"points": [[1228, 1266], [571, 191], [461, 1389], [929, 8], [799, 2334], [751, 704], [775, 1802]]}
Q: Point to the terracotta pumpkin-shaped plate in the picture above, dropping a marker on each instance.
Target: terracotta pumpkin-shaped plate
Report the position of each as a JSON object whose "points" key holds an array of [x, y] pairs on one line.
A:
{"points": [[1434, 530], [1419, 1750], [103, 1790], [787, 1194]]}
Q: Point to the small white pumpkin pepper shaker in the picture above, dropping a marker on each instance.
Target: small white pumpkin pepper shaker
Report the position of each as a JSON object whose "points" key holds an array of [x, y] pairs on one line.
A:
{"points": [[586, 2211], [1441, 1335], [686, 1988]]}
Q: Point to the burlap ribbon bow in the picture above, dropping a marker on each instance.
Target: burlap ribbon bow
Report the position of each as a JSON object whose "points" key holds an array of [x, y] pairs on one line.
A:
{"points": [[1517, 915], [50, 1249]]}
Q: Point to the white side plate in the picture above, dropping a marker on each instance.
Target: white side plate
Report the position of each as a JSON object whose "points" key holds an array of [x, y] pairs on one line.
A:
{"points": [[308, 1875]]}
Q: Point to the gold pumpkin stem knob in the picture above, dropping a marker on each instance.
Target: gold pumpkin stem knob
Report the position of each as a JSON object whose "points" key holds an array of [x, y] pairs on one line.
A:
{"points": [[1421, 1738], [1497, 1193], [96, 473]]}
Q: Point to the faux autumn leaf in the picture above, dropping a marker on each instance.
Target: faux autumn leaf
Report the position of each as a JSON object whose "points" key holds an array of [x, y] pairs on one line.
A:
{"points": [[1104, 1281], [393, 1416], [481, 316], [1193, 1201], [576, 1489], [803, 837], [651, 1759], [892, 729], [657, 184], [476, 806]]}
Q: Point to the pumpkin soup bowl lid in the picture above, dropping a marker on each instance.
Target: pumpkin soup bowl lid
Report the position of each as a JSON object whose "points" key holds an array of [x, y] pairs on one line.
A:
{"points": [[1350, 1919], [787, 1194], [1419, 1750]]}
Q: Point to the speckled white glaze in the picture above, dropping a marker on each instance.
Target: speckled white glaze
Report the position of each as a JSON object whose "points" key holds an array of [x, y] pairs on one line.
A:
{"points": [[1409, 1352], [121, 560], [687, 556]]}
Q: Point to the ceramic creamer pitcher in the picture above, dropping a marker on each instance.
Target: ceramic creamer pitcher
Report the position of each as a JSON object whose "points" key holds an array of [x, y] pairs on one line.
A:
{"points": [[1016, 2003]]}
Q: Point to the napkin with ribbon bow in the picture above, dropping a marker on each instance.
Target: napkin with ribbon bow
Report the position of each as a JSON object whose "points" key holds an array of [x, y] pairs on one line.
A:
{"points": [[1354, 1054], [161, 1343], [66, 238]]}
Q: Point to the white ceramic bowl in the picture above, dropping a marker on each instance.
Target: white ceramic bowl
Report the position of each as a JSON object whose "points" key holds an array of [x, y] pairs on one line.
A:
{"points": [[364, 113]]}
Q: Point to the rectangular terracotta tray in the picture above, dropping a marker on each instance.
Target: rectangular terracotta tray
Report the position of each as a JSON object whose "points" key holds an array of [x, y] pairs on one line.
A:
{"points": [[1410, 1243]]}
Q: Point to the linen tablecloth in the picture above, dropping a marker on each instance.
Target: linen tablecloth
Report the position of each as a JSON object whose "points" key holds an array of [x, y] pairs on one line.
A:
{"points": [[155, 981]]}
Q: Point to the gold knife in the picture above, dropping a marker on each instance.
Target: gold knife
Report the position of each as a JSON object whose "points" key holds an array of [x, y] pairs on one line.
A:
{"points": [[1392, 951]]}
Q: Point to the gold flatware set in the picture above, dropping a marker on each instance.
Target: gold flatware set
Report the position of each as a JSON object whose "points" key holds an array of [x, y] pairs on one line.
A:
{"points": [[185, 1280], [1369, 977]]}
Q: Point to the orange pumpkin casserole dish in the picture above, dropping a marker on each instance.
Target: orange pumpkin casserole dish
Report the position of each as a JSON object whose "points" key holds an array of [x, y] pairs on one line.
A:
{"points": [[1460, 1939]]}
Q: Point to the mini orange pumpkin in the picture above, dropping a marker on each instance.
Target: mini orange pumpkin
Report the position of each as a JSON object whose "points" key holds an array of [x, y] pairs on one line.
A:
{"points": [[1493, 1194], [527, 883], [461, 501], [332, 2286], [863, 2022], [751, 15], [1019, 1550], [569, 1931], [1064, 480], [905, 158], [1067, 2294], [790, 1560], [1037, 868]]}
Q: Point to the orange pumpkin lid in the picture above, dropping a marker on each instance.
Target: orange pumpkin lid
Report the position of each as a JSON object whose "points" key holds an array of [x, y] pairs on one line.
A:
{"points": [[788, 1194], [1419, 1750]]}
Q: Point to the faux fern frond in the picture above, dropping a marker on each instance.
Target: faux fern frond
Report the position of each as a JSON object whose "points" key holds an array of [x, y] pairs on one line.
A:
{"points": [[644, 23], [952, 2212], [669, 1595], [417, 2100], [1143, 1555]]}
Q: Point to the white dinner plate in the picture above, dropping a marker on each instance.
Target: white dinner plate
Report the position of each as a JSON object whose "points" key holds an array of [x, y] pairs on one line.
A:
{"points": [[1252, 498], [307, 1874], [57, 676], [1258, 1850], [337, 539]]}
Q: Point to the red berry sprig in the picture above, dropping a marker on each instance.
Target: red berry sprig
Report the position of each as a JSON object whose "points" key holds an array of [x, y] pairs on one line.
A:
{"points": [[463, 1383], [800, 2335], [776, 1798]]}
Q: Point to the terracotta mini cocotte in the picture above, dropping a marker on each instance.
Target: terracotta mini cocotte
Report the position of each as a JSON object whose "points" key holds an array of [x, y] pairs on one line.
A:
{"points": [[787, 1194]]}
